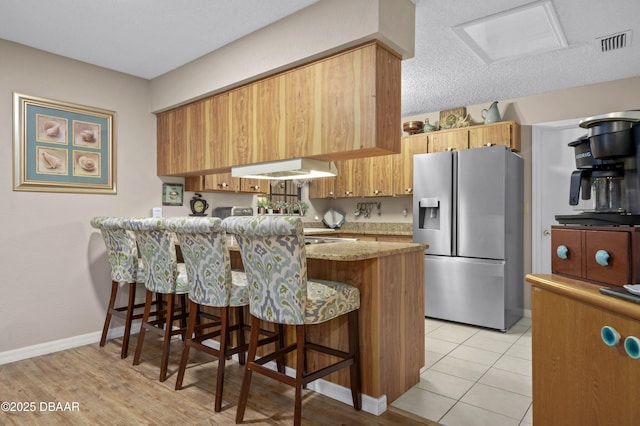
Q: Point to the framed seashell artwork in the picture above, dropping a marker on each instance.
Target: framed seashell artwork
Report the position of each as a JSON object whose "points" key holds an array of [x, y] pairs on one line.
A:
{"points": [[63, 147]]}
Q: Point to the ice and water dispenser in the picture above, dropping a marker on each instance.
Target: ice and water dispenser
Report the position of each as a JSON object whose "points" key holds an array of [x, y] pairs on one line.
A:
{"points": [[429, 211]]}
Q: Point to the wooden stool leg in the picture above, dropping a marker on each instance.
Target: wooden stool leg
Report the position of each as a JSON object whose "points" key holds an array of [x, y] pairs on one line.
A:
{"points": [[145, 320], [222, 356], [241, 338], [300, 363], [246, 381], [107, 320], [193, 314], [280, 362], [354, 369], [128, 320], [166, 344]]}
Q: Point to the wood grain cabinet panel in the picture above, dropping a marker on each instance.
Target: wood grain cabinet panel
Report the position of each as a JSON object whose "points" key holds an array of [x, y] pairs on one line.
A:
{"points": [[618, 262], [403, 162], [322, 188], [340, 107], [378, 179], [505, 133], [577, 379], [449, 140], [571, 239], [612, 248]]}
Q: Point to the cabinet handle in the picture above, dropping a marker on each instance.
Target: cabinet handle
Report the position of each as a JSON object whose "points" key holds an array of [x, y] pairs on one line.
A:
{"points": [[223, 185], [610, 336], [256, 187], [376, 191], [409, 190], [331, 193], [602, 257], [632, 347], [562, 251], [348, 192], [450, 149]]}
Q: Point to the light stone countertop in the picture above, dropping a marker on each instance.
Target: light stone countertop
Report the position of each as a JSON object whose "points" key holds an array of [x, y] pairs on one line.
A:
{"points": [[355, 250]]}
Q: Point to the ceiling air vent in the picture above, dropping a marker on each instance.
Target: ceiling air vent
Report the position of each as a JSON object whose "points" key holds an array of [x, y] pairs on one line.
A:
{"points": [[615, 41]]}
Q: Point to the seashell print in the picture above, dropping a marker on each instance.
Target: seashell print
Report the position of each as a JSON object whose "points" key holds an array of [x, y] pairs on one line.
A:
{"points": [[87, 163], [50, 161], [51, 128], [87, 135]]}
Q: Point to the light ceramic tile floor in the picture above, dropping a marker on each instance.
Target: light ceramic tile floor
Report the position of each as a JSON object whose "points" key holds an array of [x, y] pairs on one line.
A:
{"points": [[474, 376]]}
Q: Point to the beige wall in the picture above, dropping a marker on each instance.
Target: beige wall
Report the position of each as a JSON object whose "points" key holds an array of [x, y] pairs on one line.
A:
{"points": [[322, 28], [54, 273]]}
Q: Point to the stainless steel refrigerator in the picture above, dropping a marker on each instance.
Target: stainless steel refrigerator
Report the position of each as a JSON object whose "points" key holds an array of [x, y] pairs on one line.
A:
{"points": [[468, 206]]}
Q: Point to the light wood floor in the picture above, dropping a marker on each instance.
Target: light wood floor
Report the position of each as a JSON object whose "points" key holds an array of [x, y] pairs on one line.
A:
{"points": [[112, 391]]}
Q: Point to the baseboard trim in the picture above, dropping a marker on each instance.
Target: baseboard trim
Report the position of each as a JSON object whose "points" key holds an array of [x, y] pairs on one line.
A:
{"points": [[20, 354]]}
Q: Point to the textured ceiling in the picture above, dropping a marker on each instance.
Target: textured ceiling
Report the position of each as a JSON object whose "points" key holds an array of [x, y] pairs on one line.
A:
{"points": [[147, 38]]}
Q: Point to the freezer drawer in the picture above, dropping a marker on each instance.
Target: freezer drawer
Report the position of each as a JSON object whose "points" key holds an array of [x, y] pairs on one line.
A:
{"points": [[470, 291]]}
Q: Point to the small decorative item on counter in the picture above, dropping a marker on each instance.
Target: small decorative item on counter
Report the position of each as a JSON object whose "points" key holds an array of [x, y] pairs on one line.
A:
{"points": [[428, 127], [198, 205], [412, 127], [281, 206], [264, 204]]}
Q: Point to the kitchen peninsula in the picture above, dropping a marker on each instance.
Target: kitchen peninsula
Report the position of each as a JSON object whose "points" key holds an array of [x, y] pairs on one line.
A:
{"points": [[390, 277]]}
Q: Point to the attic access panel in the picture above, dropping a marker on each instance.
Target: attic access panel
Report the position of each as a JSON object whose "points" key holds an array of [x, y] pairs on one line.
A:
{"points": [[526, 30]]}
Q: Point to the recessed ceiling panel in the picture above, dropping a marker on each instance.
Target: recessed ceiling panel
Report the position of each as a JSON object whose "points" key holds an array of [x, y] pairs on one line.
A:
{"points": [[525, 30]]}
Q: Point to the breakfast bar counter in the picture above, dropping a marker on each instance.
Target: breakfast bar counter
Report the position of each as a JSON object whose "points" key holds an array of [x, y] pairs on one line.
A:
{"points": [[390, 277]]}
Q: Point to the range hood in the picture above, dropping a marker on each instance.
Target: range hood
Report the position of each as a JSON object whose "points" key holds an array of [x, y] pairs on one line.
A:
{"points": [[295, 168]]}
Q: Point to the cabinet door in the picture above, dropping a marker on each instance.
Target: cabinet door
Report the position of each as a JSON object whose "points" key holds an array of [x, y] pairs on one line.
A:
{"points": [[572, 239], [504, 133], [577, 379], [172, 142], [378, 181], [163, 143], [616, 248], [453, 140], [221, 182], [217, 132], [270, 123], [242, 125], [322, 188], [254, 186], [350, 177], [403, 163]]}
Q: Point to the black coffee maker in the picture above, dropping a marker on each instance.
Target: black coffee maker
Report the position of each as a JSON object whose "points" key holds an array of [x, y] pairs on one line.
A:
{"points": [[605, 188]]}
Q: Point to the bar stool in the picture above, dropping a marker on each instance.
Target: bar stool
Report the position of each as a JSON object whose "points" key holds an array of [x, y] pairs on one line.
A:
{"points": [[211, 283], [163, 275], [126, 268], [274, 257]]}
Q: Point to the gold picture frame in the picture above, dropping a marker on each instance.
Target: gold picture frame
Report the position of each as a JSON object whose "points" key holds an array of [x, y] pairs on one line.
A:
{"points": [[62, 147], [449, 118]]}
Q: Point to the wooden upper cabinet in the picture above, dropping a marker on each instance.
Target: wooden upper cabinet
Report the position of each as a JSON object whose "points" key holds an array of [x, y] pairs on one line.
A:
{"points": [[449, 140], [378, 179], [340, 107], [349, 179], [172, 142], [242, 126], [403, 162], [255, 186], [505, 133], [322, 188]]}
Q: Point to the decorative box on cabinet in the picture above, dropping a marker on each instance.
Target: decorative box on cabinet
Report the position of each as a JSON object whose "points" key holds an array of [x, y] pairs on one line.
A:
{"points": [[601, 254]]}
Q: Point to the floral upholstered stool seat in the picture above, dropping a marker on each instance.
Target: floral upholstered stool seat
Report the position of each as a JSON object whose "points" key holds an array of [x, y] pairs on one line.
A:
{"points": [[274, 257]]}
